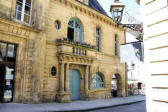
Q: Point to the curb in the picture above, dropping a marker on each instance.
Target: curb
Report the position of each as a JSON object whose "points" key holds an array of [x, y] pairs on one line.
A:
{"points": [[98, 108]]}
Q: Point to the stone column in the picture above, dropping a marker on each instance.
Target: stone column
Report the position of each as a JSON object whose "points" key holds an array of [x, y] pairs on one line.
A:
{"points": [[67, 78], [90, 79], [86, 78], [62, 77], [63, 96]]}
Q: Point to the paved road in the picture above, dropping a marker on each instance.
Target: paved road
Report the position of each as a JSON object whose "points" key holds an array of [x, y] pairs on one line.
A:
{"points": [[137, 107]]}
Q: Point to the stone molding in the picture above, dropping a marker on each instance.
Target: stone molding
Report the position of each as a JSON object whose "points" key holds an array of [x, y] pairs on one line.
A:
{"points": [[89, 11], [75, 59], [17, 29]]}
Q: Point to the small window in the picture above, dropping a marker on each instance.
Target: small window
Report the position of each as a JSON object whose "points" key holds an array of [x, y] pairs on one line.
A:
{"points": [[53, 71], [98, 39], [97, 81], [57, 24], [116, 45]]}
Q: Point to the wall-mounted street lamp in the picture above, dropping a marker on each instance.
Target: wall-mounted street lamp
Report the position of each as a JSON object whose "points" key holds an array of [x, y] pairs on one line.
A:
{"points": [[116, 10]]}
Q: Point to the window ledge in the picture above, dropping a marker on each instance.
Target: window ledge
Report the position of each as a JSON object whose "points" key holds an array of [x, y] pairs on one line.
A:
{"points": [[21, 22], [98, 90]]}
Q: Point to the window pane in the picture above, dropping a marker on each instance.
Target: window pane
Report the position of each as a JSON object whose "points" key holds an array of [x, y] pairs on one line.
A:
{"points": [[19, 2], [18, 15], [28, 2], [98, 36], [116, 45], [11, 53], [77, 25], [9, 83], [77, 35], [27, 11], [2, 51], [26, 18], [18, 11], [97, 81], [71, 23]]}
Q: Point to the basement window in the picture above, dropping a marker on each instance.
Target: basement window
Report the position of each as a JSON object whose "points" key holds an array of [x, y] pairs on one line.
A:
{"points": [[23, 10]]}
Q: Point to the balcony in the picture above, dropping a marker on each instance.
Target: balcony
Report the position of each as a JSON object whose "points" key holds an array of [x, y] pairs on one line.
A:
{"points": [[76, 49]]}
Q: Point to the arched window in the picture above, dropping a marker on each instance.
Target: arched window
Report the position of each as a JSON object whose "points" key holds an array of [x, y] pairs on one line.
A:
{"points": [[74, 30], [97, 81]]}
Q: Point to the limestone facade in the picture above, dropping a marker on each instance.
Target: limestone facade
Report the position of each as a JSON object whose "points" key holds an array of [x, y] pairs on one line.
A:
{"points": [[155, 53], [38, 50]]}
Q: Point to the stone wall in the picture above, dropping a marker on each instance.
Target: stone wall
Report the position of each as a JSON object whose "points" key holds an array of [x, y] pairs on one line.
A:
{"points": [[38, 51]]}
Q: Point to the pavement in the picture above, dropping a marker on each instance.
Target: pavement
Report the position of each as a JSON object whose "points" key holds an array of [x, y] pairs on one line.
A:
{"points": [[74, 106]]}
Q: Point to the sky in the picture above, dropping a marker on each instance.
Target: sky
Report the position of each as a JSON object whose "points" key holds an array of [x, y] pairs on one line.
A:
{"points": [[130, 6]]}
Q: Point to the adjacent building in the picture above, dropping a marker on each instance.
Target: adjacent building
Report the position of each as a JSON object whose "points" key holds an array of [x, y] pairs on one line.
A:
{"points": [[58, 51], [155, 21]]}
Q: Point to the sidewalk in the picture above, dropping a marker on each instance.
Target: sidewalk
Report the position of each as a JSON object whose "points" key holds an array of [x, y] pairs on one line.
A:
{"points": [[70, 107]]}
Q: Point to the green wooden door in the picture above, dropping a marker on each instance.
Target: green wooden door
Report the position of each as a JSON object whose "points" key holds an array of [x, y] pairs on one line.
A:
{"points": [[74, 84]]}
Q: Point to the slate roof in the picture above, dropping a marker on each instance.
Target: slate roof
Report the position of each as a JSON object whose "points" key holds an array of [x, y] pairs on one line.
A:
{"points": [[96, 6]]}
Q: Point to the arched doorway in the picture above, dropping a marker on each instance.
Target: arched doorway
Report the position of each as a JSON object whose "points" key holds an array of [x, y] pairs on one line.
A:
{"points": [[74, 84], [116, 85], [74, 30]]}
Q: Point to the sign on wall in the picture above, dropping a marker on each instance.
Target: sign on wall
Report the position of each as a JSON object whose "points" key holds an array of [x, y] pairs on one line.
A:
{"points": [[131, 52]]}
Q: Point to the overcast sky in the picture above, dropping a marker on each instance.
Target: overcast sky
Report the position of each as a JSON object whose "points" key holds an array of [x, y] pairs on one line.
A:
{"points": [[130, 6]]}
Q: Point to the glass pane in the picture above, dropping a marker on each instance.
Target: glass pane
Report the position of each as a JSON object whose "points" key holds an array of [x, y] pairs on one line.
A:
{"points": [[97, 31], [2, 51], [19, 2], [77, 25], [18, 15], [11, 53], [26, 18], [71, 23], [9, 81], [18, 12], [28, 2], [77, 35], [27, 10]]}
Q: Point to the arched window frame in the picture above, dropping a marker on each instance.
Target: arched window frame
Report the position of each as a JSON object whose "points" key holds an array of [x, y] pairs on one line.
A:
{"points": [[97, 81], [77, 26]]}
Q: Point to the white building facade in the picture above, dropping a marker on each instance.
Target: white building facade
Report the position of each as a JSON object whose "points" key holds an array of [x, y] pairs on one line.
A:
{"points": [[155, 17]]}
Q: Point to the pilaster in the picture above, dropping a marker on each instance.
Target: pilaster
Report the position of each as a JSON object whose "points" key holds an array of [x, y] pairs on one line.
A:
{"points": [[64, 95]]}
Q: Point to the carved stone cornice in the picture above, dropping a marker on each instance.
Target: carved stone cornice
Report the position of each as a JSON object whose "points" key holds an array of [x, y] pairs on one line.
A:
{"points": [[75, 59], [89, 11], [16, 29]]}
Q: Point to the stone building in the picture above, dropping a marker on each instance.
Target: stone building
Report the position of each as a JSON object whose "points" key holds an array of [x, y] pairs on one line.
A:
{"points": [[58, 51], [155, 22]]}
